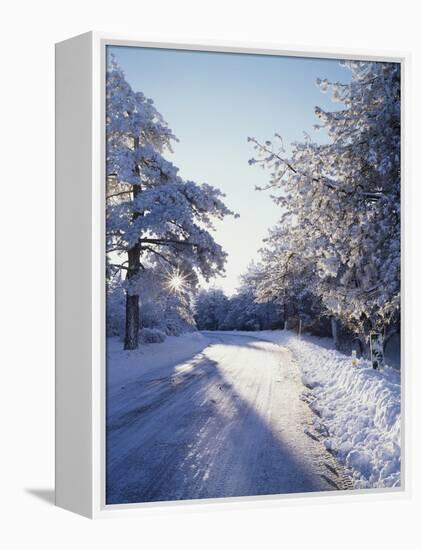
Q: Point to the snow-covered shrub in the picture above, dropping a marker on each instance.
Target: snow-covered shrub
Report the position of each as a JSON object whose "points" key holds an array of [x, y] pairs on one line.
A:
{"points": [[176, 326], [152, 314], [151, 336]]}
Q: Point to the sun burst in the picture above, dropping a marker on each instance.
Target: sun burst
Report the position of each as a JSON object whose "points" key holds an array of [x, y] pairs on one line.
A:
{"points": [[176, 281]]}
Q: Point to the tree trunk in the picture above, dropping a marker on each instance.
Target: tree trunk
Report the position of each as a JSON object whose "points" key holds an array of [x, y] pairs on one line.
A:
{"points": [[131, 340], [335, 332]]}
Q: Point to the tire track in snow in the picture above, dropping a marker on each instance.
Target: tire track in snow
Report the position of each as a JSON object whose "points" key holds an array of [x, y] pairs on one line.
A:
{"points": [[230, 422]]}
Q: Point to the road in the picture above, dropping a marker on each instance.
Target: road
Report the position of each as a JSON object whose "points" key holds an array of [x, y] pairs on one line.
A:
{"points": [[229, 422]]}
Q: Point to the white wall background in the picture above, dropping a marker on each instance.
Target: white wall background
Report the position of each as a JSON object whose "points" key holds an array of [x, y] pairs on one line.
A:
{"points": [[29, 30]]}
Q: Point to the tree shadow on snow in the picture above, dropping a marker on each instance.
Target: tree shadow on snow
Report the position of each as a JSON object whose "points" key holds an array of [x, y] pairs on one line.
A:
{"points": [[190, 435]]}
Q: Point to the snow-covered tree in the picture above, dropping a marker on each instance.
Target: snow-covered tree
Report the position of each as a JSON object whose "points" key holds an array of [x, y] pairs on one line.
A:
{"points": [[287, 278], [242, 311], [210, 309], [152, 213], [341, 200], [164, 305], [166, 299], [245, 313]]}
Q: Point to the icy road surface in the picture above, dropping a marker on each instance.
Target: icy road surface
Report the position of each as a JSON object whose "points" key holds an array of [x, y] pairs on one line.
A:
{"points": [[228, 422]]}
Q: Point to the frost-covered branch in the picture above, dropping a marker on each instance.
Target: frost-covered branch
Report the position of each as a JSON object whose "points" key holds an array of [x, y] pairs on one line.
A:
{"points": [[340, 204]]}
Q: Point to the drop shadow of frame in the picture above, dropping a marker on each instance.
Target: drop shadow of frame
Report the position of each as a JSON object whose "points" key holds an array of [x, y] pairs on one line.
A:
{"points": [[46, 495]]}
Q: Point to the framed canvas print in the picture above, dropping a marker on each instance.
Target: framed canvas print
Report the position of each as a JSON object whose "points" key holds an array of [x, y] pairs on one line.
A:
{"points": [[228, 309]]}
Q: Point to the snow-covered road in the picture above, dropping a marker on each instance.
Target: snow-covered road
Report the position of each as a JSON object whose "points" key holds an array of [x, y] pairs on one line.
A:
{"points": [[227, 422]]}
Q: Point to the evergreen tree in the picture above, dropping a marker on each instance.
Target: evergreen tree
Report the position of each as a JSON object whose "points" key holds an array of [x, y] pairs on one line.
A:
{"points": [[152, 213]]}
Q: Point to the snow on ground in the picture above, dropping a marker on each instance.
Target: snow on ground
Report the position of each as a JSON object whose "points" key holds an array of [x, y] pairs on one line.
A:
{"points": [[358, 408], [222, 392], [228, 421], [124, 366]]}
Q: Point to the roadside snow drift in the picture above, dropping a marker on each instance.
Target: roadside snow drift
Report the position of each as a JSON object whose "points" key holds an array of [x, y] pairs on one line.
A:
{"points": [[358, 408]]}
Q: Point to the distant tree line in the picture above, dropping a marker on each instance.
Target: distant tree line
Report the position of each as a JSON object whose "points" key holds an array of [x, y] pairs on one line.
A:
{"points": [[216, 311]]}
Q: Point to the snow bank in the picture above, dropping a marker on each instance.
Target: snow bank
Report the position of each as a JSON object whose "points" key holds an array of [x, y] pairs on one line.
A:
{"points": [[124, 366], [358, 408]]}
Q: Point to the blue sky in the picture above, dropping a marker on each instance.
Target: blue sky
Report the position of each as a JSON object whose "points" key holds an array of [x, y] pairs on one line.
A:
{"points": [[212, 102]]}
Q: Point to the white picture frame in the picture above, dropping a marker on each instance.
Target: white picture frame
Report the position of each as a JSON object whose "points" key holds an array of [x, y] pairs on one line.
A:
{"points": [[80, 267]]}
